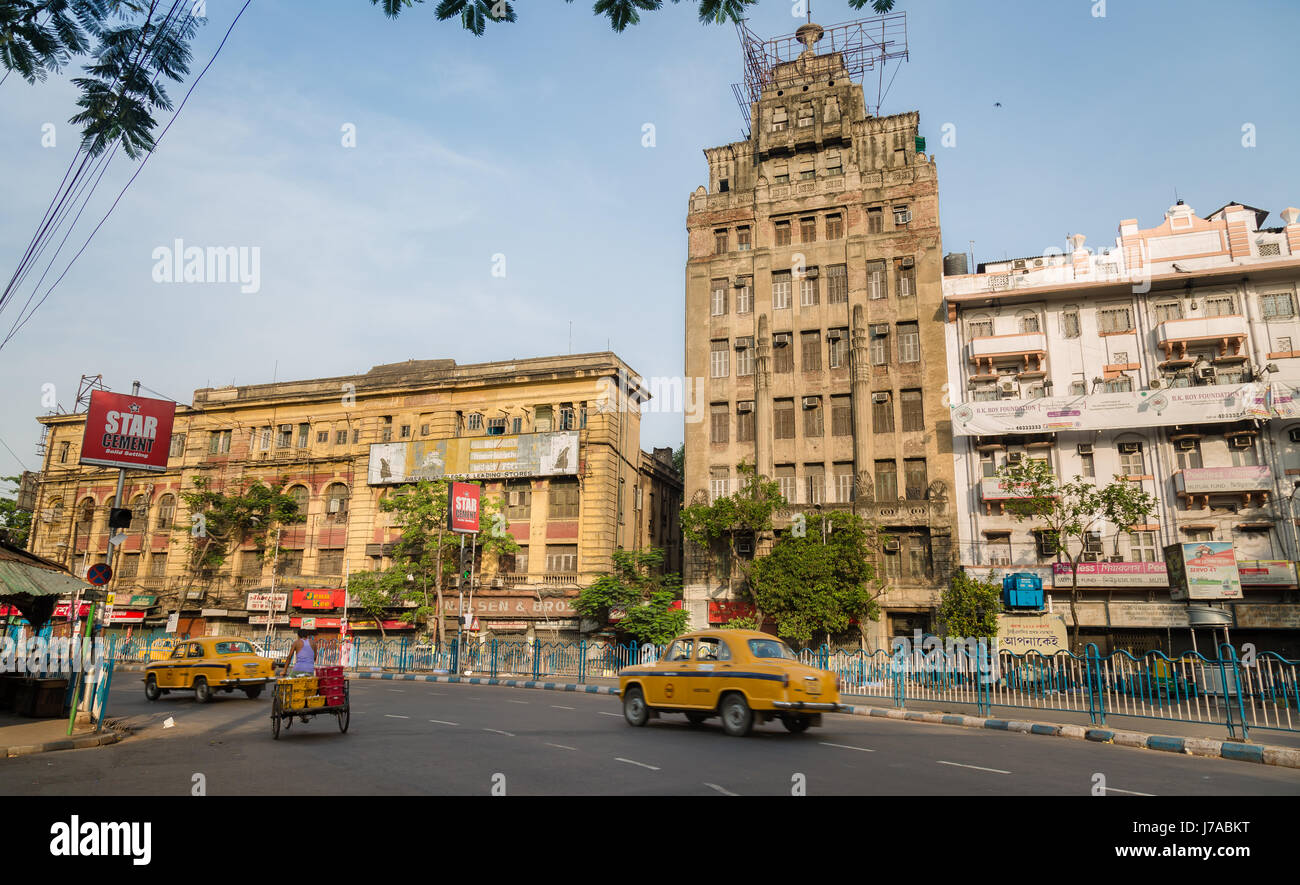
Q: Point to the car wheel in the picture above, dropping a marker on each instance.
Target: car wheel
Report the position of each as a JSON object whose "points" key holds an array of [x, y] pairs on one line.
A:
{"points": [[202, 691], [737, 718], [635, 710], [253, 692], [795, 724], [151, 689], [696, 718]]}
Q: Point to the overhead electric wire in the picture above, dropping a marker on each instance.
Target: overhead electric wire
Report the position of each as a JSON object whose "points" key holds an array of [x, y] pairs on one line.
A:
{"points": [[64, 198], [23, 320]]}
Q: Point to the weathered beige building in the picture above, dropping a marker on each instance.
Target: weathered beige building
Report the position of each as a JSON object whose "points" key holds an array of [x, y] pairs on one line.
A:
{"points": [[546, 436], [813, 316]]}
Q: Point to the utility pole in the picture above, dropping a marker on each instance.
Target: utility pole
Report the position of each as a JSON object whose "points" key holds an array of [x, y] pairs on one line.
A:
{"points": [[275, 573]]}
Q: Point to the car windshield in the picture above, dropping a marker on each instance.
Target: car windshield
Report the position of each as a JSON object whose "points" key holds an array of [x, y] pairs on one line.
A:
{"points": [[234, 648], [770, 648]]}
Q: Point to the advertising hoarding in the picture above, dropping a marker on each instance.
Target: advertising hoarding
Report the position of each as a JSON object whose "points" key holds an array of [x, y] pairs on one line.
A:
{"points": [[1202, 570], [264, 602], [128, 431], [462, 507], [476, 457], [1112, 574], [1267, 572], [318, 599], [1044, 634]]}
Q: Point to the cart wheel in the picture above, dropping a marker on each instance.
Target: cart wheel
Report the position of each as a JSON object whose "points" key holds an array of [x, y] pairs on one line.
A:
{"points": [[275, 719], [344, 717]]}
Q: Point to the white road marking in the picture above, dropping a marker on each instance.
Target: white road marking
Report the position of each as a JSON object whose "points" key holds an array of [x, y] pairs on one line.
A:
{"points": [[1129, 792], [444, 722], [603, 713], [976, 767], [847, 747], [562, 746], [397, 689], [395, 716], [560, 707], [512, 701], [634, 762], [499, 731], [721, 790]]}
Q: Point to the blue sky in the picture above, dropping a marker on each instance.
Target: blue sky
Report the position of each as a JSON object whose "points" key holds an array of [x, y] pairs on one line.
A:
{"points": [[527, 142]]}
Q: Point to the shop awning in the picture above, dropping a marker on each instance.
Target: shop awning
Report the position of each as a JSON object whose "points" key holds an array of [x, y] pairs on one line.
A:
{"points": [[34, 584]]}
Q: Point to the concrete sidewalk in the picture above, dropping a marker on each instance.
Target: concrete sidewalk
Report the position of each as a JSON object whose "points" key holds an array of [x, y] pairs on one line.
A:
{"points": [[21, 736]]}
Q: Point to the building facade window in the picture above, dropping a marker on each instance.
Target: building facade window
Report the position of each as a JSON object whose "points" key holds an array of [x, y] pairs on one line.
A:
{"points": [[1169, 311], [915, 478], [1027, 322], [813, 427], [882, 412], [745, 421], [744, 357], [807, 230], [1220, 306], [562, 559], [843, 482], [718, 299], [329, 562], [781, 280], [745, 296], [336, 503], [875, 220], [720, 241], [719, 414], [783, 233], [1130, 459], [1277, 305], [719, 480], [837, 284], [838, 344], [909, 343], [808, 290], [810, 346], [718, 358], [876, 282], [166, 513], [785, 481], [886, 482], [913, 414], [563, 495], [841, 416], [1070, 322], [519, 501], [835, 222], [979, 326], [905, 271], [815, 483], [783, 419], [783, 353], [1115, 319], [743, 241], [879, 348]]}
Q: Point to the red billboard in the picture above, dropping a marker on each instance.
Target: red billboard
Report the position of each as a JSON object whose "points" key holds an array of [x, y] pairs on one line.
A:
{"points": [[127, 431], [462, 506], [318, 599]]}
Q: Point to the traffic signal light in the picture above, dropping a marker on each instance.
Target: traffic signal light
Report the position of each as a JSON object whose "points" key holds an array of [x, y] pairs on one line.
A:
{"points": [[466, 563]]}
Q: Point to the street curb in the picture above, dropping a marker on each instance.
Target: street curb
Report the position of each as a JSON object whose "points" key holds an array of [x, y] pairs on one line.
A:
{"points": [[1264, 754], [77, 743]]}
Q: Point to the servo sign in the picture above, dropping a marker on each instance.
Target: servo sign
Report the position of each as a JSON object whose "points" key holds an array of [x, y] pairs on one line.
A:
{"points": [[127, 431]]}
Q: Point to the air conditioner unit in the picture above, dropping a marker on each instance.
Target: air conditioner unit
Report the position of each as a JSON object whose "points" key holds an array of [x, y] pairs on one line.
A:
{"points": [[498, 582], [834, 335], [741, 344], [907, 262], [1019, 264], [745, 546], [740, 282], [1185, 445], [1117, 559], [880, 397], [781, 340], [1129, 448], [1007, 388], [1085, 448], [902, 216], [286, 428], [811, 273], [811, 402], [892, 545], [745, 407], [1046, 544], [1240, 442], [1038, 262], [1015, 457], [1155, 384], [1205, 373]]}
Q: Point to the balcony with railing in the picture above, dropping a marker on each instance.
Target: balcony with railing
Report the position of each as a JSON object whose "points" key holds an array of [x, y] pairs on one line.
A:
{"points": [[1227, 332], [1253, 484], [1027, 348]]}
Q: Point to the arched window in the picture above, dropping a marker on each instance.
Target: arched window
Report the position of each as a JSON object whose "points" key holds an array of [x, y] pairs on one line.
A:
{"points": [[336, 502], [300, 497], [979, 326], [1027, 321], [85, 514], [139, 513], [56, 510], [166, 512]]}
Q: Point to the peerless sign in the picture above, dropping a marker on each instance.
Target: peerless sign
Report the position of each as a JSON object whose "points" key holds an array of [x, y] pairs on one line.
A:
{"points": [[127, 431]]}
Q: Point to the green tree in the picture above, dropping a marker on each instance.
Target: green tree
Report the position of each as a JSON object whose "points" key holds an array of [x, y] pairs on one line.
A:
{"points": [[969, 608], [223, 521], [1068, 512], [679, 460], [741, 623], [425, 555], [375, 592], [15, 524], [474, 15], [638, 587], [819, 580], [745, 513]]}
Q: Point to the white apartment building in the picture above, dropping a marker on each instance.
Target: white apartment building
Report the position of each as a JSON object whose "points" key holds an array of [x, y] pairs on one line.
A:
{"points": [[1171, 359]]}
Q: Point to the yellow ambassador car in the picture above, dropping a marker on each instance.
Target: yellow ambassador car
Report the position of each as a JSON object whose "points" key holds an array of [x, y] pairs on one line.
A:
{"points": [[209, 664], [738, 675]]}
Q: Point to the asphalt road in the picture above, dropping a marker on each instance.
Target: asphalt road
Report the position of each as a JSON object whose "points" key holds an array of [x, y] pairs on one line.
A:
{"points": [[421, 738]]}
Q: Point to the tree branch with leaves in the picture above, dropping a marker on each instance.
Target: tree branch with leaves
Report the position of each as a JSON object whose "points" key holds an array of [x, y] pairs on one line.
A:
{"points": [[1068, 512]]}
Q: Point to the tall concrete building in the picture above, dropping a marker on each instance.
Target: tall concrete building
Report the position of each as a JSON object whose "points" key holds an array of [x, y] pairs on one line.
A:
{"points": [[813, 318], [1170, 359]]}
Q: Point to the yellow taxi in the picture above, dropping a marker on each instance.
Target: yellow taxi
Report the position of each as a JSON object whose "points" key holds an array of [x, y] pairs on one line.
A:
{"points": [[209, 664], [160, 649], [739, 675]]}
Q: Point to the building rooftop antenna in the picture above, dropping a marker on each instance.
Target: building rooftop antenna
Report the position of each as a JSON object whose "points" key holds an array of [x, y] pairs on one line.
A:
{"points": [[864, 45]]}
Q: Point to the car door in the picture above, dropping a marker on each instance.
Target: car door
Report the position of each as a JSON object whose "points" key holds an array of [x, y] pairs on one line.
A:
{"points": [[169, 674], [669, 686], [194, 663], [712, 660]]}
